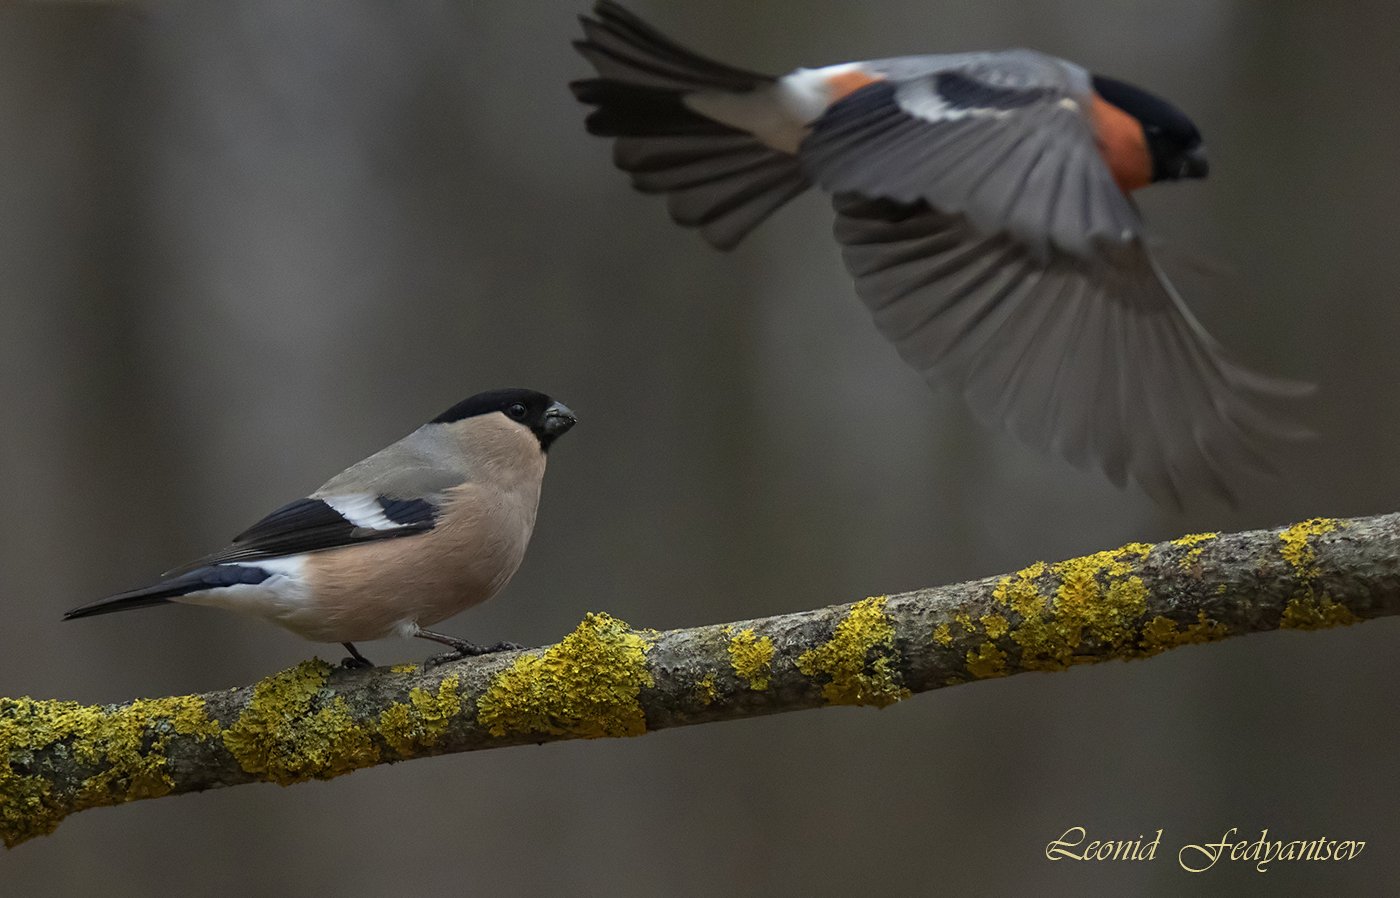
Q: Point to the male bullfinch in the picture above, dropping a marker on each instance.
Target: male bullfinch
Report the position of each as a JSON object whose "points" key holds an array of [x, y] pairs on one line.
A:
{"points": [[983, 209], [430, 526]]}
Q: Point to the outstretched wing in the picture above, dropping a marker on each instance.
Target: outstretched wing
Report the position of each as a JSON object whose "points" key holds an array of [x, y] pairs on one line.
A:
{"points": [[1097, 358], [1005, 139]]}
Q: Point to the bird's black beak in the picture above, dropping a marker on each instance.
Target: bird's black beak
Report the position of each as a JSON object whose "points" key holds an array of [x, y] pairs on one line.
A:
{"points": [[1194, 164], [557, 421]]}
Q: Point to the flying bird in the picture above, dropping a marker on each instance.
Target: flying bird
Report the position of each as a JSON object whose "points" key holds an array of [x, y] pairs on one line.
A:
{"points": [[430, 526], [983, 206]]}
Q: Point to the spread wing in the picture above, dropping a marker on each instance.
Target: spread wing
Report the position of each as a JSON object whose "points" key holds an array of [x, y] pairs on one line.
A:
{"points": [[1098, 358], [1005, 139]]}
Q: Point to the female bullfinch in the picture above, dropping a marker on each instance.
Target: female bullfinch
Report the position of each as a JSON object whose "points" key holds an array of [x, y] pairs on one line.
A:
{"points": [[430, 526]]}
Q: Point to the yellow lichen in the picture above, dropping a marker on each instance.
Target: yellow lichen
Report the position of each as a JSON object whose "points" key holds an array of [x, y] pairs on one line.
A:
{"points": [[1159, 634], [854, 677], [1020, 592], [1311, 613], [1310, 609], [1162, 633], [405, 668], [420, 723], [987, 661], [279, 737], [1296, 550], [1097, 597], [705, 690], [396, 726], [588, 685], [752, 659], [117, 740], [943, 635], [995, 625], [1195, 542], [964, 620], [124, 746]]}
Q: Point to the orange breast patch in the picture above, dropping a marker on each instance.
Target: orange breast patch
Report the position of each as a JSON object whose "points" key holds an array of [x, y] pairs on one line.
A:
{"points": [[1122, 145], [843, 84]]}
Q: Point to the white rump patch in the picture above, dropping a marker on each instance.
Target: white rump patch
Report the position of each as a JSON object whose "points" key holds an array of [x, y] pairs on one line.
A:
{"points": [[806, 93], [779, 114], [284, 591]]}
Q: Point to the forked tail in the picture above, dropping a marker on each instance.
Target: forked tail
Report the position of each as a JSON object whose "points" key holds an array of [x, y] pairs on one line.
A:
{"points": [[719, 179]]}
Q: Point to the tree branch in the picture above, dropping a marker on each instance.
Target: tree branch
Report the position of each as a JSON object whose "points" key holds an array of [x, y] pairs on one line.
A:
{"points": [[606, 679]]}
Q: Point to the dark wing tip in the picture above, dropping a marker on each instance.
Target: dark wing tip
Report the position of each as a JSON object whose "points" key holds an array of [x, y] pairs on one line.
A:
{"points": [[1096, 362], [608, 9], [583, 88], [1278, 387]]}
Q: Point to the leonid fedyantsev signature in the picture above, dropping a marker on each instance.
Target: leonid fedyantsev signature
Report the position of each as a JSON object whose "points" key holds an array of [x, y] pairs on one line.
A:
{"points": [[1075, 845]]}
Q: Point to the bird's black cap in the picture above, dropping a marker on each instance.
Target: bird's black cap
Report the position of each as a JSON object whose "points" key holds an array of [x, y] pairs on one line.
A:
{"points": [[547, 418], [1172, 138]]}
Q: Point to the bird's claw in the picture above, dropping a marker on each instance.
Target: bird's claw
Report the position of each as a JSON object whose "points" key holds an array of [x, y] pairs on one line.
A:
{"points": [[352, 663], [463, 649], [437, 660]]}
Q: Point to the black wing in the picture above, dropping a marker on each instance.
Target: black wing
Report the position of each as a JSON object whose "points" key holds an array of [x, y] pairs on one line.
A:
{"points": [[311, 525], [1011, 148]]}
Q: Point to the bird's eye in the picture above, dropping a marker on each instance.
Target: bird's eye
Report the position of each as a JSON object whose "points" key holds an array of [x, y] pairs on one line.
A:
{"points": [[516, 411]]}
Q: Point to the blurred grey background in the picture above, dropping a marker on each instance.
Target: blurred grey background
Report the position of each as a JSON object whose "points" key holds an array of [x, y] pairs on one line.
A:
{"points": [[243, 244]]}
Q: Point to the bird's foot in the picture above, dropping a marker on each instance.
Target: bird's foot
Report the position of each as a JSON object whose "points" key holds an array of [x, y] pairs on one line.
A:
{"points": [[355, 661], [463, 649]]}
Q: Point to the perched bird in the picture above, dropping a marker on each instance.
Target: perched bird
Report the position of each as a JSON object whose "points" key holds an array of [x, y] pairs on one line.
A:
{"points": [[430, 526], [983, 209]]}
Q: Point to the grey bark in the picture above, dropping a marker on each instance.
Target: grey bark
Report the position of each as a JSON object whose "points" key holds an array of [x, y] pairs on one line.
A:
{"points": [[606, 679]]}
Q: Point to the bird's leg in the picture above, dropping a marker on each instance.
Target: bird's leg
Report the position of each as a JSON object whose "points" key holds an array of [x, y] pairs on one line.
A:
{"points": [[460, 647], [356, 660]]}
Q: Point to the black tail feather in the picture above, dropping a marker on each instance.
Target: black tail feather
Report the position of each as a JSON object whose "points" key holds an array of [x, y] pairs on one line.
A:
{"points": [[631, 110], [719, 179], [631, 43], [141, 598], [199, 580]]}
